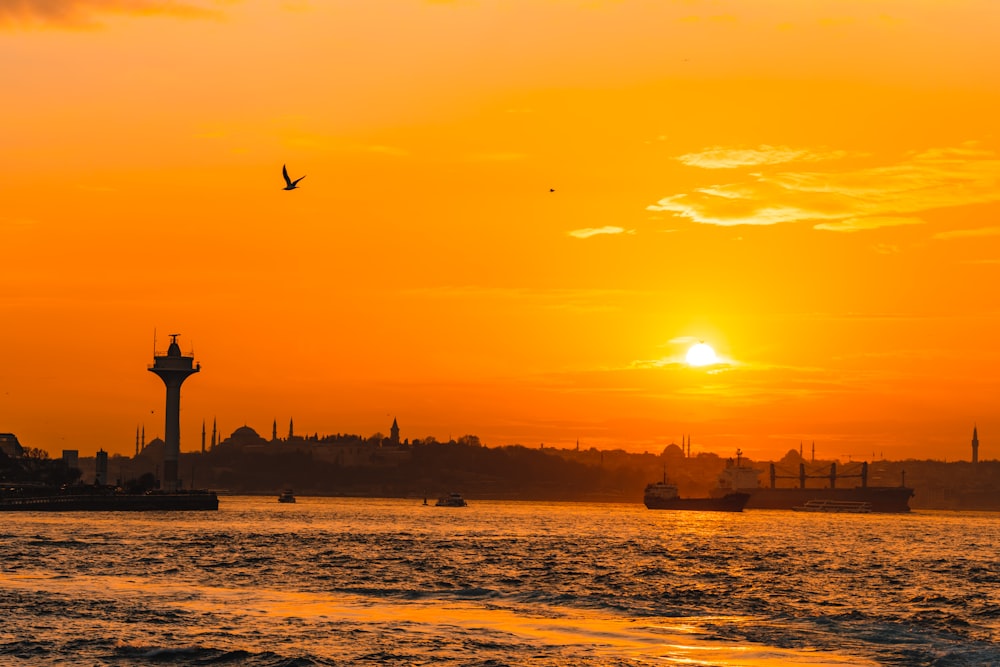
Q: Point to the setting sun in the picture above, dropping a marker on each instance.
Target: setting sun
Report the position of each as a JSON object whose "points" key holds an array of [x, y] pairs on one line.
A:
{"points": [[701, 354]]}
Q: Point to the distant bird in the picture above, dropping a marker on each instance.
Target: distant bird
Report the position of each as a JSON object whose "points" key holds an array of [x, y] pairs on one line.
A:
{"points": [[289, 183], [552, 189]]}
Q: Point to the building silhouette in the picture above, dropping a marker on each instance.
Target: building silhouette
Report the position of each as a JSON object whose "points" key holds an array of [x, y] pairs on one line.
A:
{"points": [[10, 446], [173, 368], [101, 468]]}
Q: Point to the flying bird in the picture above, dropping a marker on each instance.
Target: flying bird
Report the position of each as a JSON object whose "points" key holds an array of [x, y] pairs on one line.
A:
{"points": [[289, 183]]}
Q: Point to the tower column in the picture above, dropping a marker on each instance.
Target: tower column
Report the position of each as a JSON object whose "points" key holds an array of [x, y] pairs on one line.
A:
{"points": [[172, 434]]}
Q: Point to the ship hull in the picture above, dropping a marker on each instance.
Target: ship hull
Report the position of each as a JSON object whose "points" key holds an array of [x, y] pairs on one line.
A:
{"points": [[158, 502], [732, 502], [891, 499]]}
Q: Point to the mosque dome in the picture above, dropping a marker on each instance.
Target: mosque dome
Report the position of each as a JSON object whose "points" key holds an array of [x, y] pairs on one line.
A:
{"points": [[153, 448], [244, 433], [673, 451]]}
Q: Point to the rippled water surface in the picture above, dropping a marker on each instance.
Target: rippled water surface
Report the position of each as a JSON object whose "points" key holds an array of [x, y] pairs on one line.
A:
{"points": [[391, 582]]}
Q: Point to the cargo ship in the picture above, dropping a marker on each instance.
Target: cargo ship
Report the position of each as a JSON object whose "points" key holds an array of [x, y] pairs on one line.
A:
{"points": [[738, 477], [664, 496]]}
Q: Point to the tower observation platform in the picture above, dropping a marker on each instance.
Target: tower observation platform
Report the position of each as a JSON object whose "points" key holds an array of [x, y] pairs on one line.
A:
{"points": [[173, 368]]}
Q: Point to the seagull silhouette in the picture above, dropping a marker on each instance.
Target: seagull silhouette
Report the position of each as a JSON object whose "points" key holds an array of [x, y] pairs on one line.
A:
{"points": [[289, 183]]}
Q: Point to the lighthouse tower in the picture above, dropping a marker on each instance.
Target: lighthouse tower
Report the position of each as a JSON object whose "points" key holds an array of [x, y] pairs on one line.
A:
{"points": [[173, 368]]}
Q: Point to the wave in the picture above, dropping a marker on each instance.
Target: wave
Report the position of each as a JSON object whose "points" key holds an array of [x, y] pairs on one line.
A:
{"points": [[201, 655]]}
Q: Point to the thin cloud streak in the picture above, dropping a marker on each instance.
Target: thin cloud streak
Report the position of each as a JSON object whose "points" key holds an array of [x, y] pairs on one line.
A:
{"points": [[588, 232], [729, 382], [860, 224], [967, 233], [719, 157], [937, 178], [83, 13], [679, 362], [682, 340]]}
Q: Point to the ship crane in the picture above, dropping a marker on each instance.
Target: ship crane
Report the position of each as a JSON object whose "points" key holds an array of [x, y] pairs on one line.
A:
{"points": [[832, 475]]}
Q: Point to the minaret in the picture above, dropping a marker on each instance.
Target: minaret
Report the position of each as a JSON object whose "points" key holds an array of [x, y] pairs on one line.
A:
{"points": [[291, 429], [394, 432], [975, 445], [202, 436], [173, 368], [137, 441], [214, 441], [274, 431], [143, 441]]}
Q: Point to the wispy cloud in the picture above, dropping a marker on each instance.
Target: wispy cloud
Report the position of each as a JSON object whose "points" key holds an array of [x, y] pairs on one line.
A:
{"points": [[83, 13], [719, 157], [721, 366], [588, 232], [859, 224], [968, 233], [726, 382], [683, 340], [882, 195]]}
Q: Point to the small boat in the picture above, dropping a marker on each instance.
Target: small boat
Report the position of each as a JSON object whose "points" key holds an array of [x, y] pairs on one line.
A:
{"points": [[286, 496], [835, 506], [451, 500]]}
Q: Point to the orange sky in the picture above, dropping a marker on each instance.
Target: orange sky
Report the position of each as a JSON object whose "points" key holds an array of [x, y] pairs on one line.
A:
{"points": [[813, 188]]}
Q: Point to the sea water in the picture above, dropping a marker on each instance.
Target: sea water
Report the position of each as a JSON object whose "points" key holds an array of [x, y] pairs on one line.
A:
{"points": [[332, 581]]}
